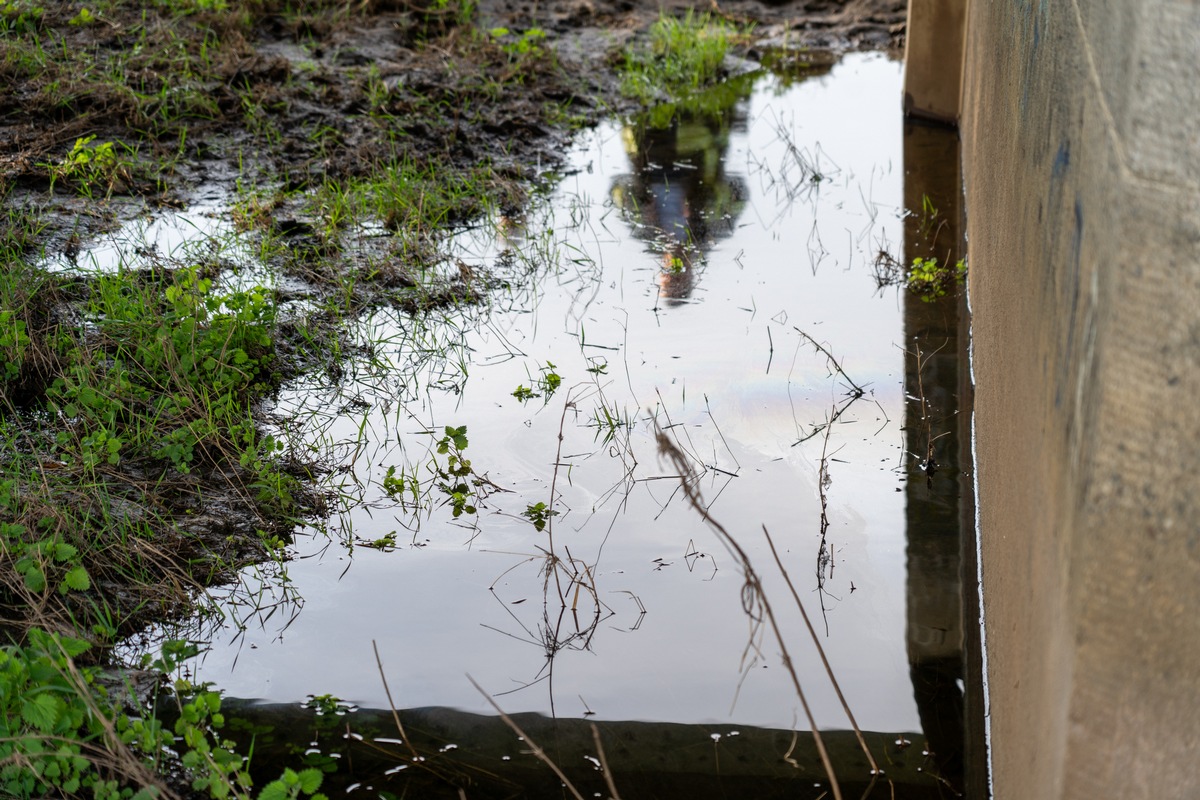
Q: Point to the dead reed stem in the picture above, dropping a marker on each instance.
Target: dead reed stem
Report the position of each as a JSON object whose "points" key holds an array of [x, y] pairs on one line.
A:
{"points": [[821, 652], [754, 598], [608, 778], [858, 390], [392, 704]]}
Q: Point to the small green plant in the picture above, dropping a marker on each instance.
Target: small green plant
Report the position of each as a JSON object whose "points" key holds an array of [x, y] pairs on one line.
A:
{"points": [[19, 16], [683, 55], [62, 733], [84, 17], [539, 514], [453, 476], [89, 164], [550, 380], [930, 280], [386, 542], [545, 385], [324, 704], [526, 44], [41, 558], [293, 784], [14, 341], [397, 483]]}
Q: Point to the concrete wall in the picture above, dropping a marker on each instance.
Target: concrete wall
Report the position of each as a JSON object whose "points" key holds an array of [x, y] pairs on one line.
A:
{"points": [[1080, 124]]}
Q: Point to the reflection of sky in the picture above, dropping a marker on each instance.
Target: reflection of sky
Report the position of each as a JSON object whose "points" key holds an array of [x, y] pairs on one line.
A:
{"points": [[741, 387], [198, 233]]}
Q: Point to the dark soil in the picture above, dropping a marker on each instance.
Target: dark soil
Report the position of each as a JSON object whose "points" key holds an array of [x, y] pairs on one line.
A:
{"points": [[308, 73]]}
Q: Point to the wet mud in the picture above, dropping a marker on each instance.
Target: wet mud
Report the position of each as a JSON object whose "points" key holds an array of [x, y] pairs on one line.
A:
{"points": [[308, 73]]}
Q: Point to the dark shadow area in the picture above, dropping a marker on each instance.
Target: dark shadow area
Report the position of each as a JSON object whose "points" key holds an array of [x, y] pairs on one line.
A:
{"points": [[483, 757], [942, 635]]}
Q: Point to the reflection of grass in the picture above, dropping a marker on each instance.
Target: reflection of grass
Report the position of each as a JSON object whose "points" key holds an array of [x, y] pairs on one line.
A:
{"points": [[713, 102], [928, 278], [931, 280], [683, 55]]}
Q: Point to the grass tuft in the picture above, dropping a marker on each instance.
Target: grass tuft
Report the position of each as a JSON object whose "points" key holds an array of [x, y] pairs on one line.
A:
{"points": [[683, 55]]}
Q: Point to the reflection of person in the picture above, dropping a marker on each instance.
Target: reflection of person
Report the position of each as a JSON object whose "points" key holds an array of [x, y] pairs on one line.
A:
{"points": [[679, 191]]}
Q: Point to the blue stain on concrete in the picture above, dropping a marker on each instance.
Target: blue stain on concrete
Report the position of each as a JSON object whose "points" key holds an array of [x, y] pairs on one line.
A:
{"points": [[1062, 160], [1076, 259]]}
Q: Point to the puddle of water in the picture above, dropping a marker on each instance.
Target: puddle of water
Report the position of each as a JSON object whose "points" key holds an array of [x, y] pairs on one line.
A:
{"points": [[687, 267], [202, 233]]}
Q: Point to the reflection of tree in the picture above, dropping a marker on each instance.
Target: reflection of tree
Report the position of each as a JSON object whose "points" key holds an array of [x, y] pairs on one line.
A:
{"points": [[678, 196]]}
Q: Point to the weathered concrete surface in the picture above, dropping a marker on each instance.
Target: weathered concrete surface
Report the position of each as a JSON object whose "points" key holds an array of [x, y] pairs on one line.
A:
{"points": [[1081, 136]]}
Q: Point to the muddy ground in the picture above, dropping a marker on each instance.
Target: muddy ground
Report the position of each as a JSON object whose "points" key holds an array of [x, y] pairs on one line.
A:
{"points": [[307, 71]]}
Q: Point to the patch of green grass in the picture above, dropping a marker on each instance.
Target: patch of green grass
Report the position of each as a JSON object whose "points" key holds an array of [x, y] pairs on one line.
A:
{"points": [[519, 45], [186, 7], [415, 198], [683, 55], [66, 731], [165, 380], [91, 165], [20, 17], [111, 390]]}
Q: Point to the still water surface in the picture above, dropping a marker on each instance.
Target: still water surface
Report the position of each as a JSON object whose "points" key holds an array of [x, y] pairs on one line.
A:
{"points": [[687, 268]]}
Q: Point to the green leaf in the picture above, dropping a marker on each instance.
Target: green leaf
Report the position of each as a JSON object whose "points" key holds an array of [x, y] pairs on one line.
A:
{"points": [[35, 579], [77, 579], [275, 790], [41, 711], [65, 552], [310, 780], [73, 647], [11, 530]]}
